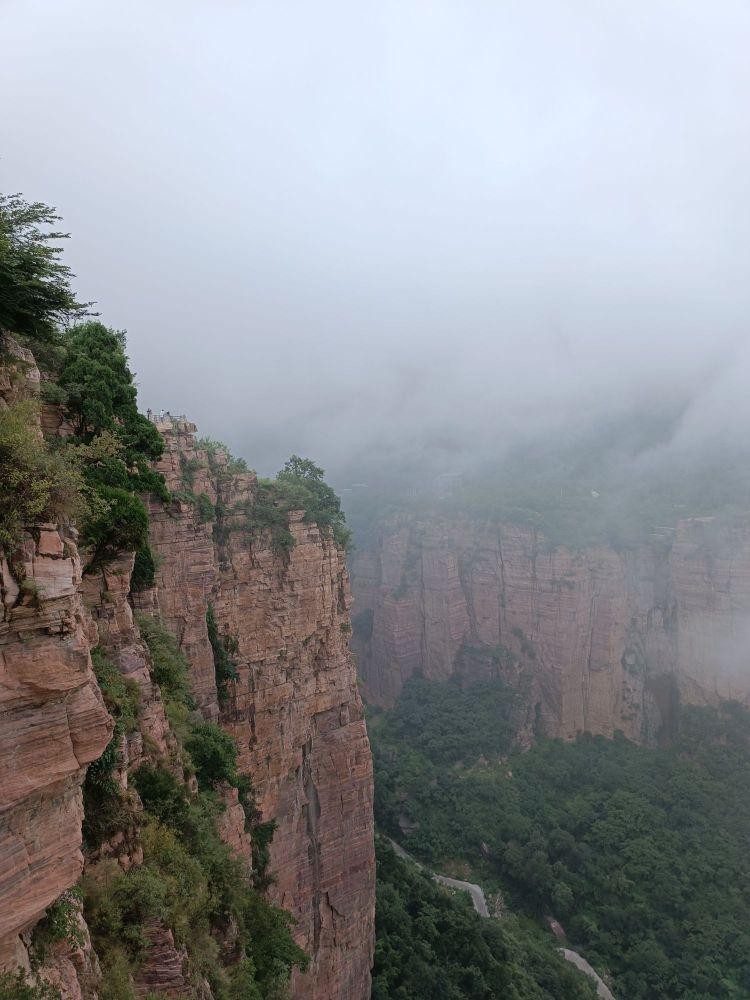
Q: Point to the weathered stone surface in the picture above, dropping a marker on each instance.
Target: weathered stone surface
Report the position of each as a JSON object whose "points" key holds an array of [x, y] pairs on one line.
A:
{"points": [[163, 971], [231, 824], [106, 594], [52, 723], [603, 640], [187, 573], [294, 711], [73, 967]]}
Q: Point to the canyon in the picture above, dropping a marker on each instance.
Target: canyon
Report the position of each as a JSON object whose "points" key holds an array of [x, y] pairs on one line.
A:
{"points": [[293, 708], [595, 639]]}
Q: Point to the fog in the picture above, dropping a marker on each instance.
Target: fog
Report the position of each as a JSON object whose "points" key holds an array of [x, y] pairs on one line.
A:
{"points": [[378, 231]]}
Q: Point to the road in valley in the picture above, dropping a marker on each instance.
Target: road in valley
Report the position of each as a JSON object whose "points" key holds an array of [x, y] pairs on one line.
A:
{"points": [[480, 905]]}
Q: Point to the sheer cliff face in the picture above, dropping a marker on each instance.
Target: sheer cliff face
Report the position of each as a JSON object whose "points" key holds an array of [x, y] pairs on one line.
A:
{"points": [[294, 710], [52, 718], [597, 640]]}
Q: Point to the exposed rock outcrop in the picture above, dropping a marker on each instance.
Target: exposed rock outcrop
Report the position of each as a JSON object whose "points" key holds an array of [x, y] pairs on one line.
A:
{"points": [[597, 639], [294, 710], [52, 724], [52, 718]]}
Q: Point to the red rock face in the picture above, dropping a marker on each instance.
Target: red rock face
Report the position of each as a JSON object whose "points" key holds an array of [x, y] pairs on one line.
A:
{"points": [[53, 724], [294, 711], [52, 718], [600, 640]]}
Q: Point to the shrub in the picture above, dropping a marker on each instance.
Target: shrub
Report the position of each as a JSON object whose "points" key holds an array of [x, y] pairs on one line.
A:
{"points": [[105, 808], [162, 795], [114, 443], [101, 392], [190, 880], [261, 841], [188, 468], [144, 569], [214, 754], [121, 694], [60, 923], [322, 505], [170, 668], [204, 509], [224, 649], [16, 986], [35, 484], [119, 904], [299, 486], [121, 524]]}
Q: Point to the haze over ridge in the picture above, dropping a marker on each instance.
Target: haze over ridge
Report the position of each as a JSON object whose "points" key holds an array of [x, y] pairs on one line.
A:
{"points": [[433, 225]]}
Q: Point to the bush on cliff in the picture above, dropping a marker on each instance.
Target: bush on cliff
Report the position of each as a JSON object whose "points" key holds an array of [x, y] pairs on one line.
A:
{"points": [[144, 569], [106, 809], [214, 755], [35, 483], [170, 670], [119, 525], [19, 986], [302, 480], [189, 880], [202, 888], [298, 486]]}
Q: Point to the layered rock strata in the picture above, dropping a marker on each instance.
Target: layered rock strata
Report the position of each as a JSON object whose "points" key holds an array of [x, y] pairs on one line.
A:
{"points": [[53, 722], [294, 710], [596, 639]]}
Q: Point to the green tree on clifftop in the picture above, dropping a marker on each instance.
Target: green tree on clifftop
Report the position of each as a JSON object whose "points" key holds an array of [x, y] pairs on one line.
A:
{"points": [[35, 292]]}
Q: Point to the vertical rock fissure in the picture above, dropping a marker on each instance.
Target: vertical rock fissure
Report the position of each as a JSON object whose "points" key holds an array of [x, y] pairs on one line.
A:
{"points": [[312, 815]]}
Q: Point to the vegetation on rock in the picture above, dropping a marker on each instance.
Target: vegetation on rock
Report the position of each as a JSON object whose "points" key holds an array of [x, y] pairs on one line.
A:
{"points": [[189, 880], [299, 486], [224, 648], [19, 986], [36, 484]]}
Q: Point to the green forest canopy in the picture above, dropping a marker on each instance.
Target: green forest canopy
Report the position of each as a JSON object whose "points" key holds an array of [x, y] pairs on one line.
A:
{"points": [[641, 853]]}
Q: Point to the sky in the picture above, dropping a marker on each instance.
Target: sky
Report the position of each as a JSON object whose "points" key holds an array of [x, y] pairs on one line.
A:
{"points": [[398, 228]]}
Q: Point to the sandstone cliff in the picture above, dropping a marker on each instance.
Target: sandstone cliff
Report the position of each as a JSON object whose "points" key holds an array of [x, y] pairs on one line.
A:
{"points": [[294, 710], [52, 718], [596, 639]]}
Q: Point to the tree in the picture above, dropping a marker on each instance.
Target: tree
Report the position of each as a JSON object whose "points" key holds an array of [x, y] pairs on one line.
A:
{"points": [[302, 483], [214, 754], [35, 292], [100, 392], [302, 468]]}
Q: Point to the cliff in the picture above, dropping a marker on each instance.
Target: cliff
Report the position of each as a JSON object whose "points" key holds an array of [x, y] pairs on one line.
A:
{"points": [[52, 718], [292, 706], [294, 709], [596, 639]]}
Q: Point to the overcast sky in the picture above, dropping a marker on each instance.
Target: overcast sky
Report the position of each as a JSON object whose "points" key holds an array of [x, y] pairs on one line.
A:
{"points": [[348, 227]]}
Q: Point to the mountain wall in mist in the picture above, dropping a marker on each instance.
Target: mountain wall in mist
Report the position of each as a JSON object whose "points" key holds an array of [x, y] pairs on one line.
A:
{"points": [[596, 639], [292, 706], [294, 711]]}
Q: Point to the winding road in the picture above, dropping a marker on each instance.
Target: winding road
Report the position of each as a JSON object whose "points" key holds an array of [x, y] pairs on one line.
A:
{"points": [[480, 905]]}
